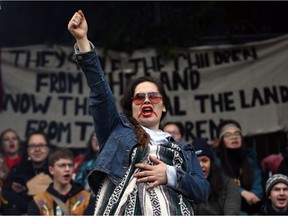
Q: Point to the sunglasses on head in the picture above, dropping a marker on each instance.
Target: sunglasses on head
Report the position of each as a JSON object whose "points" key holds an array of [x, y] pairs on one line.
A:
{"points": [[154, 97]]}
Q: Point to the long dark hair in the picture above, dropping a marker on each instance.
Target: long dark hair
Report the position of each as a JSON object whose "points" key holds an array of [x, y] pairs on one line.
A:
{"points": [[142, 137], [215, 179], [246, 177]]}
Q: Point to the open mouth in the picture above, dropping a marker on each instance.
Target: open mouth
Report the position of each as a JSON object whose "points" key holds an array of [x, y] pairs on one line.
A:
{"points": [[281, 200], [12, 146], [147, 111], [67, 177]]}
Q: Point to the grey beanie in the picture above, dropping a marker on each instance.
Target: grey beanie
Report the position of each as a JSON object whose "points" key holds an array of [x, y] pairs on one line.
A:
{"points": [[274, 179]]}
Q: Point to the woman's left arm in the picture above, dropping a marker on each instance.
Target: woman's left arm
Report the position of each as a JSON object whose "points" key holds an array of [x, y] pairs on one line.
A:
{"points": [[192, 183], [256, 187]]}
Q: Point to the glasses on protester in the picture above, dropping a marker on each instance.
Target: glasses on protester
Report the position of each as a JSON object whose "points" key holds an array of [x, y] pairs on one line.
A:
{"points": [[230, 135], [64, 165], [37, 146], [173, 133], [154, 97]]}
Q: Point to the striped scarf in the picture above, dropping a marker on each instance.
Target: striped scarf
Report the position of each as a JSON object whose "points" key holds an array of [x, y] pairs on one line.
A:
{"points": [[132, 198]]}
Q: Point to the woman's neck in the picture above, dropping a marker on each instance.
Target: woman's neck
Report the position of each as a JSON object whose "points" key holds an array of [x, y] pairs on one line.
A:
{"points": [[151, 129], [12, 156]]}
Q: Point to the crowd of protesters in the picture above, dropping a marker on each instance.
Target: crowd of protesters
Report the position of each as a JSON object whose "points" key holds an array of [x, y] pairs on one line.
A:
{"points": [[238, 181], [133, 165]]}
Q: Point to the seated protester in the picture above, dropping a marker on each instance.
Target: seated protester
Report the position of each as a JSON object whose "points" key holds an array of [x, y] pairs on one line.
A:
{"points": [[240, 164], [276, 196], [10, 154], [29, 177], [175, 129], [224, 198], [63, 197], [11, 147]]}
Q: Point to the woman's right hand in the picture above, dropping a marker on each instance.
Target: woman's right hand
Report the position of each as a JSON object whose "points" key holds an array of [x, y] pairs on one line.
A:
{"points": [[250, 197], [155, 174]]}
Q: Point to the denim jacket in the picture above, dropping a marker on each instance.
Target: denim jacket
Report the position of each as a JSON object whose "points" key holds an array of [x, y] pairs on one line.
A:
{"points": [[117, 138]]}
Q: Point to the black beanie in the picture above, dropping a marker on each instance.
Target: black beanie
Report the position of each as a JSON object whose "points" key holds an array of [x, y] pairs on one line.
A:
{"points": [[202, 148]]}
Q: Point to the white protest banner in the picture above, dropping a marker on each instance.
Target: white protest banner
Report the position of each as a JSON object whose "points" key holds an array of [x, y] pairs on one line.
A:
{"points": [[45, 89]]}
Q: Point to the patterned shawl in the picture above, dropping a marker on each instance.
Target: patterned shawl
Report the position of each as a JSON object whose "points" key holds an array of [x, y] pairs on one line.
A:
{"points": [[132, 198]]}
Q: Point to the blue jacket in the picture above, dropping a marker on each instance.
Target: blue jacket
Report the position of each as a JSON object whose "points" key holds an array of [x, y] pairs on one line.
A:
{"points": [[256, 186], [117, 138]]}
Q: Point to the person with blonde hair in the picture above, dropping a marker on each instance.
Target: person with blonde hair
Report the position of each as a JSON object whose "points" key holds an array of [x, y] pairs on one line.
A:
{"points": [[10, 147]]}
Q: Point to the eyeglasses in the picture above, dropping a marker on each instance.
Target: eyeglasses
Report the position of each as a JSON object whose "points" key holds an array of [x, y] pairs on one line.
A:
{"points": [[64, 165], [154, 97], [37, 146], [230, 135], [173, 133]]}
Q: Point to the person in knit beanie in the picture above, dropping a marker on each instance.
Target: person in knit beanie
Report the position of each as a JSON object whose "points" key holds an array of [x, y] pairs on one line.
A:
{"points": [[224, 198], [240, 164], [277, 195], [275, 179]]}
